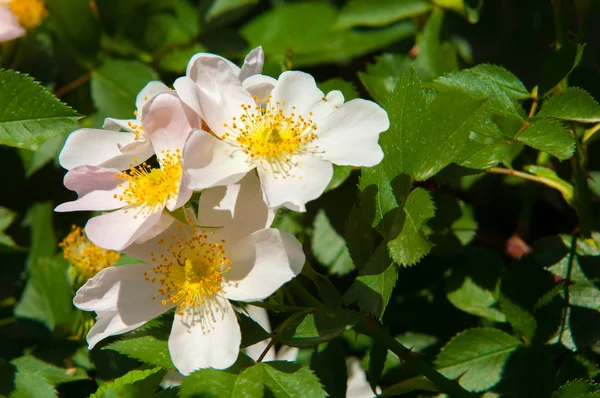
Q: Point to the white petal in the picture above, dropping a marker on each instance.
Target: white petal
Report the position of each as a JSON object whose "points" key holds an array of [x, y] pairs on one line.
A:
{"points": [[96, 188], [307, 181], [103, 148], [168, 123], [261, 264], [221, 94], [253, 63], [297, 89], [120, 124], [349, 135], [153, 88], [239, 208], [117, 230], [287, 354], [260, 86], [211, 162], [183, 195], [189, 93], [328, 104], [358, 386], [210, 341], [9, 25], [171, 379], [260, 316], [163, 223], [195, 65], [122, 298]]}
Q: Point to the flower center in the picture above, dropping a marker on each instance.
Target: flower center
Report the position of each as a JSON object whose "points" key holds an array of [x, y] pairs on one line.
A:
{"points": [[29, 13], [269, 136], [152, 187], [85, 256], [190, 274]]}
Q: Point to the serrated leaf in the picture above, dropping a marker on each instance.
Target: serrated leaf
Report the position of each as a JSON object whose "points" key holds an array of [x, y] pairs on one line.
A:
{"points": [[347, 88], [116, 84], [578, 389], [572, 104], [311, 329], [381, 77], [549, 135], [30, 114], [477, 357], [220, 7], [435, 57], [329, 247], [373, 287], [559, 65], [407, 243], [290, 380], [210, 383], [520, 319], [6, 219], [454, 225], [282, 31], [151, 376], [252, 332], [36, 378], [147, 349], [329, 365], [379, 13], [47, 296], [550, 178], [503, 89]]}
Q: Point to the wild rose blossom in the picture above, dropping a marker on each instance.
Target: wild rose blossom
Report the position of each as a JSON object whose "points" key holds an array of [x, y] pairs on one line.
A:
{"points": [[18, 16], [286, 129], [142, 193], [197, 270]]}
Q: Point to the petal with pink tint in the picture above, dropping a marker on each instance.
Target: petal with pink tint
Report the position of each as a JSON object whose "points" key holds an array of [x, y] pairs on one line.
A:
{"points": [[9, 25]]}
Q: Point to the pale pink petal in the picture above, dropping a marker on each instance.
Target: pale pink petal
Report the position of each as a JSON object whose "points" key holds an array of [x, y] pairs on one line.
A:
{"points": [[260, 316], [168, 123], [209, 337], [120, 124], [259, 86], [96, 188], [296, 89], [103, 148], [184, 194], [349, 135], [122, 298], [211, 162], [261, 264], [153, 88], [9, 25], [189, 92], [119, 229], [238, 208], [195, 65], [306, 181], [253, 64], [163, 223]]}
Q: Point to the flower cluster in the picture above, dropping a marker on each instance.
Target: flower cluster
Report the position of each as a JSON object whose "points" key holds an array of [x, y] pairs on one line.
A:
{"points": [[249, 144]]}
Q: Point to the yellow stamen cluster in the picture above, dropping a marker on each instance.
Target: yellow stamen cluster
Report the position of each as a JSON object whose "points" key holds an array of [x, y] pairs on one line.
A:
{"points": [[137, 128], [29, 13], [267, 135], [85, 256], [152, 187], [190, 273]]}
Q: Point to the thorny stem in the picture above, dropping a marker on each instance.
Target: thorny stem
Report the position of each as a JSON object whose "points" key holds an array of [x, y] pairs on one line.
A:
{"points": [[527, 176], [278, 330], [445, 385]]}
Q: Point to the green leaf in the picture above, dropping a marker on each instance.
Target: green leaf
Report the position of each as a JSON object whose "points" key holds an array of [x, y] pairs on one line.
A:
{"points": [[550, 136], [475, 289], [33, 161], [436, 57], [520, 319], [477, 357], [559, 65], [551, 179], [6, 219], [290, 380], [381, 77], [347, 88], [43, 240], [503, 89], [329, 247], [424, 139], [116, 84], [578, 389], [208, 383], [372, 289], [407, 243], [454, 225], [573, 104], [329, 364], [36, 378], [47, 296], [147, 379], [220, 7], [311, 329], [340, 175], [379, 12], [147, 349], [30, 114], [172, 24], [177, 59], [282, 33], [252, 332]]}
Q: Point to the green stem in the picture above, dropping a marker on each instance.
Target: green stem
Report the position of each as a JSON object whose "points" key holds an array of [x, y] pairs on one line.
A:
{"points": [[589, 133], [308, 298], [445, 385], [560, 25], [581, 195]]}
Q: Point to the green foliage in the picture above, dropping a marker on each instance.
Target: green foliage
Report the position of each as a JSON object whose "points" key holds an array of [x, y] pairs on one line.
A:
{"points": [[134, 383], [550, 136], [36, 378], [148, 349], [379, 13], [572, 104], [310, 329], [329, 247], [579, 389], [6, 219], [29, 114]]}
